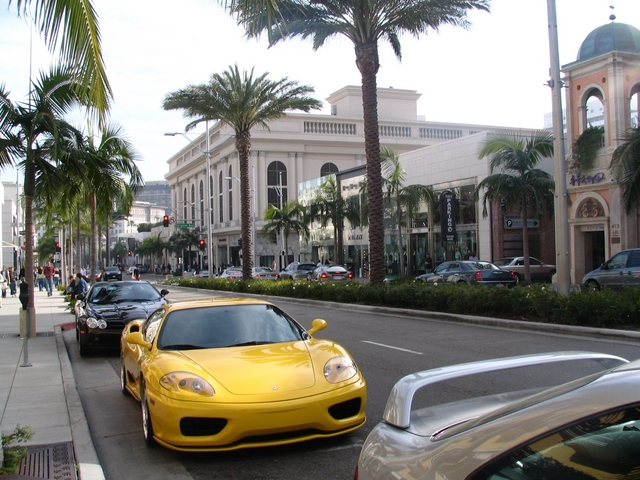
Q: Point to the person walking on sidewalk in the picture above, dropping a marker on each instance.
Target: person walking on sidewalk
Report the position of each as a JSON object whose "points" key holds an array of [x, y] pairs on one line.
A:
{"points": [[13, 282], [48, 278]]}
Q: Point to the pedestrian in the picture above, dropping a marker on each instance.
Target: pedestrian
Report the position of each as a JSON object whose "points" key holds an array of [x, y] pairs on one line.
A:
{"points": [[136, 273], [458, 255], [48, 278], [81, 287], [428, 263], [13, 282], [40, 278], [473, 257]]}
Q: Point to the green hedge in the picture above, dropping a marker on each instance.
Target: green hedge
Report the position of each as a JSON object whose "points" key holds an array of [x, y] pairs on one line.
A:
{"points": [[534, 302]]}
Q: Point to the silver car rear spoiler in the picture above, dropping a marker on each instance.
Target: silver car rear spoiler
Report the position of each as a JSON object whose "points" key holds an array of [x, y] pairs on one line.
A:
{"points": [[398, 409]]}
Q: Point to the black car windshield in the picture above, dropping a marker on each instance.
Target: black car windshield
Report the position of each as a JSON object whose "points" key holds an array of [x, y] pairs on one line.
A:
{"points": [[127, 292], [111, 269], [227, 326]]}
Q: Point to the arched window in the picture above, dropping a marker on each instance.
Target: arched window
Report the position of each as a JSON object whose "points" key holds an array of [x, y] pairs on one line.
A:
{"points": [[634, 107], [184, 204], [201, 204], [220, 198], [211, 198], [277, 184], [594, 113], [328, 169], [230, 186], [193, 202]]}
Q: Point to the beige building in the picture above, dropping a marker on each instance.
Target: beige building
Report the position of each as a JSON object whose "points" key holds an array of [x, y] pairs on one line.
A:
{"points": [[296, 149]]}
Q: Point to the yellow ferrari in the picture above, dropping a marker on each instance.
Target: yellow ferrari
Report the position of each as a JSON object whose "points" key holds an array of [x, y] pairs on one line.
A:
{"points": [[229, 373]]}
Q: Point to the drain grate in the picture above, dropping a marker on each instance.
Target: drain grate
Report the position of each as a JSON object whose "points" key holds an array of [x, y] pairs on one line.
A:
{"points": [[54, 461]]}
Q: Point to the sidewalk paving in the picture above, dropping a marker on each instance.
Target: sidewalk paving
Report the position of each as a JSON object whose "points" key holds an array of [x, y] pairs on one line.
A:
{"points": [[44, 394]]}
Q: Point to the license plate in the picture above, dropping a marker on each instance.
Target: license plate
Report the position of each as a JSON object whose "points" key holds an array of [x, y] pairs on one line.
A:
{"points": [[338, 277]]}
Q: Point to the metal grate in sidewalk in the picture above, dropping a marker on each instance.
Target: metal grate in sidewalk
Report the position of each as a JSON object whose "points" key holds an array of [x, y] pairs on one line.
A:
{"points": [[55, 461]]}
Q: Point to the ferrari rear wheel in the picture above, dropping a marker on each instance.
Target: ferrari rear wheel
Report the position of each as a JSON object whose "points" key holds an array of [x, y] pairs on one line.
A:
{"points": [[147, 426], [123, 378]]}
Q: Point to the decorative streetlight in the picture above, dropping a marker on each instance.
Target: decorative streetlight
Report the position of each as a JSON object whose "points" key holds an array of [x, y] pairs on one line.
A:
{"points": [[207, 154]]}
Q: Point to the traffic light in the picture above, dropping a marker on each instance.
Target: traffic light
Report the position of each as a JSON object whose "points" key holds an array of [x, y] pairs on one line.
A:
{"points": [[129, 253], [202, 244], [240, 242], [165, 220], [58, 249]]}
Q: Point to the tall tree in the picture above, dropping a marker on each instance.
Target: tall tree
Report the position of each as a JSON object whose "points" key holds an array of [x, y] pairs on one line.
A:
{"points": [[291, 218], [330, 207], [625, 166], [364, 23], [242, 102], [33, 136], [73, 27], [405, 199], [515, 182]]}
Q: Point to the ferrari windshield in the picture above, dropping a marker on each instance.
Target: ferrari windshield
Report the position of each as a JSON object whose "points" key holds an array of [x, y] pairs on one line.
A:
{"points": [[101, 294], [227, 326]]}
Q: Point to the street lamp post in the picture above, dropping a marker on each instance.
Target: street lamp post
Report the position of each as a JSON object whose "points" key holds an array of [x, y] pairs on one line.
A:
{"points": [[208, 211]]}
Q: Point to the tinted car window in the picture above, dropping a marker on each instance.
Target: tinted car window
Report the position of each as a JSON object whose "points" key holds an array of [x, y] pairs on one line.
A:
{"points": [[603, 447], [110, 293], [634, 259]]}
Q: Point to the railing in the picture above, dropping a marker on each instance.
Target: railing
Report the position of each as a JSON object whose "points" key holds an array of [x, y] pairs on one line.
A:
{"points": [[440, 133], [390, 131], [330, 128]]}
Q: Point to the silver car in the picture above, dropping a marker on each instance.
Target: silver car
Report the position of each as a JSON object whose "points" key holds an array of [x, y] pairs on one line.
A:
{"points": [[621, 270], [587, 428], [540, 271], [298, 271]]}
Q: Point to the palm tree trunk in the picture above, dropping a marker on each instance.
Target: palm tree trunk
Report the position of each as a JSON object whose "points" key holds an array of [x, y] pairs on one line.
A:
{"points": [[94, 239], [243, 144], [368, 64], [78, 261], [29, 191]]}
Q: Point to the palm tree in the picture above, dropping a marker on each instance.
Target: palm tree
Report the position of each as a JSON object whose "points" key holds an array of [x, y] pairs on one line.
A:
{"points": [[290, 219], [518, 184], [74, 28], [33, 136], [242, 102], [112, 176], [404, 197], [625, 166], [364, 23], [329, 206]]}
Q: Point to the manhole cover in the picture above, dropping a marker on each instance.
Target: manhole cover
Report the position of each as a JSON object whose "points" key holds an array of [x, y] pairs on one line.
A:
{"points": [[48, 461]]}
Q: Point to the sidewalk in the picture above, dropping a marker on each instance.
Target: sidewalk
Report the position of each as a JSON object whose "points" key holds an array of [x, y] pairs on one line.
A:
{"points": [[44, 395]]}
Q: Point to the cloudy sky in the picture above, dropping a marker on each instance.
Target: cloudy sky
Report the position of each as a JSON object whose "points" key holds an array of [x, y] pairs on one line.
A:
{"points": [[495, 73]]}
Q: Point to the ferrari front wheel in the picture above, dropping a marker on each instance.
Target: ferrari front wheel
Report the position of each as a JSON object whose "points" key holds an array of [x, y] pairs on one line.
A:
{"points": [[147, 425], [123, 378]]}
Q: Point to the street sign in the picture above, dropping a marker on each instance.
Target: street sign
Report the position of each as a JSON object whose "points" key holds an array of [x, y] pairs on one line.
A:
{"points": [[515, 222], [185, 225]]}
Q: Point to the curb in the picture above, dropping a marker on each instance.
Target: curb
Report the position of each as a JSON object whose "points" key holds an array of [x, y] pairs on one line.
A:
{"points": [[87, 462]]}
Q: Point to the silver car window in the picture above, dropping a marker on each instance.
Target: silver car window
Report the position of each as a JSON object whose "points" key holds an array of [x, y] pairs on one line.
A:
{"points": [[619, 260]]}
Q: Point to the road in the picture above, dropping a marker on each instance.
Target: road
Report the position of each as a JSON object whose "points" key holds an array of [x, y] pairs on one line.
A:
{"points": [[386, 347]]}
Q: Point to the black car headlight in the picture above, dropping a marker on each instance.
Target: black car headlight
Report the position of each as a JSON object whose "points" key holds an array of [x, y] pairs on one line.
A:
{"points": [[96, 323]]}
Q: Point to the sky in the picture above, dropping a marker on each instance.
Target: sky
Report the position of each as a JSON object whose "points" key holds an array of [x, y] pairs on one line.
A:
{"points": [[494, 73]]}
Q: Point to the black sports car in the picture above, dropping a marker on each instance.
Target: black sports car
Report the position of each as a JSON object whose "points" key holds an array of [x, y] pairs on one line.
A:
{"points": [[107, 307], [112, 273]]}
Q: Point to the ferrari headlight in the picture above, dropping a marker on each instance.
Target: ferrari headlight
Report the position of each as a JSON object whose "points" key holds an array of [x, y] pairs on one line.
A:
{"points": [[186, 382], [339, 369], [95, 323]]}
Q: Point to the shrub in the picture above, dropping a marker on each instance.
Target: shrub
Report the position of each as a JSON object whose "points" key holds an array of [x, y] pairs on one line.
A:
{"points": [[12, 452]]}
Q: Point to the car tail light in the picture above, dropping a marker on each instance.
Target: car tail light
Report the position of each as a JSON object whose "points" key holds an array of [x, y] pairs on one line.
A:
{"points": [[478, 276], [350, 275], [324, 275], [514, 277]]}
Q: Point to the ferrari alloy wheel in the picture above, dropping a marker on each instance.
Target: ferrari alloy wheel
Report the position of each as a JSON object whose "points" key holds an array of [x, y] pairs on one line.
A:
{"points": [[123, 378], [147, 426]]}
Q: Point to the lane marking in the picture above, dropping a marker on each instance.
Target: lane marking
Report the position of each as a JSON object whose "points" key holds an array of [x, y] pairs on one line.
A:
{"points": [[392, 347]]}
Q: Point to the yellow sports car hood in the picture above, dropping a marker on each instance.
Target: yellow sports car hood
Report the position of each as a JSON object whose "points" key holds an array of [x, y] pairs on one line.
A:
{"points": [[258, 370]]}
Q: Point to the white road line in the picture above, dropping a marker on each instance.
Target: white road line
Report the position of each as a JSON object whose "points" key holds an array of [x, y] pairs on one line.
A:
{"points": [[389, 346]]}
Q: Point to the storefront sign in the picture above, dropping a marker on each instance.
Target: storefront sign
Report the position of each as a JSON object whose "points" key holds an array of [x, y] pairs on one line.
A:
{"points": [[448, 216], [577, 180]]}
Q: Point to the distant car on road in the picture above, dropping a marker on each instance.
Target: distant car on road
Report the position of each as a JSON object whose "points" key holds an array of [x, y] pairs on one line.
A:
{"points": [[621, 270], [331, 273], [233, 273], [469, 272], [112, 273], [264, 273], [540, 271], [587, 428], [298, 271]]}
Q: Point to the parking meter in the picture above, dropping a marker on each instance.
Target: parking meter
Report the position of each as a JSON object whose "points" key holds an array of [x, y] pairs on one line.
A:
{"points": [[24, 294]]}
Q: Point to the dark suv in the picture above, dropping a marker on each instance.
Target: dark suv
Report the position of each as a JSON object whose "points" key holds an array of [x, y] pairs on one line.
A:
{"points": [[298, 271], [621, 270]]}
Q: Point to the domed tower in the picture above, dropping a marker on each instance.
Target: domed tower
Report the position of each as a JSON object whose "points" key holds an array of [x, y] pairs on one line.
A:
{"points": [[603, 86]]}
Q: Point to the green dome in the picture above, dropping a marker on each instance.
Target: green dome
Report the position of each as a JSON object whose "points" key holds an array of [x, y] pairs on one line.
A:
{"points": [[612, 37]]}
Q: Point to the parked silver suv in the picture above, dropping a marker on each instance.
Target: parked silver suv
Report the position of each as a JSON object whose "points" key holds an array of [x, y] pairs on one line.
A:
{"points": [[621, 270]]}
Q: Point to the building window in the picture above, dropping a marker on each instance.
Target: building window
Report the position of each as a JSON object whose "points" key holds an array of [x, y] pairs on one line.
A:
{"points": [[193, 202], [201, 204], [277, 184], [211, 198], [230, 186], [184, 203], [220, 198], [328, 169]]}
